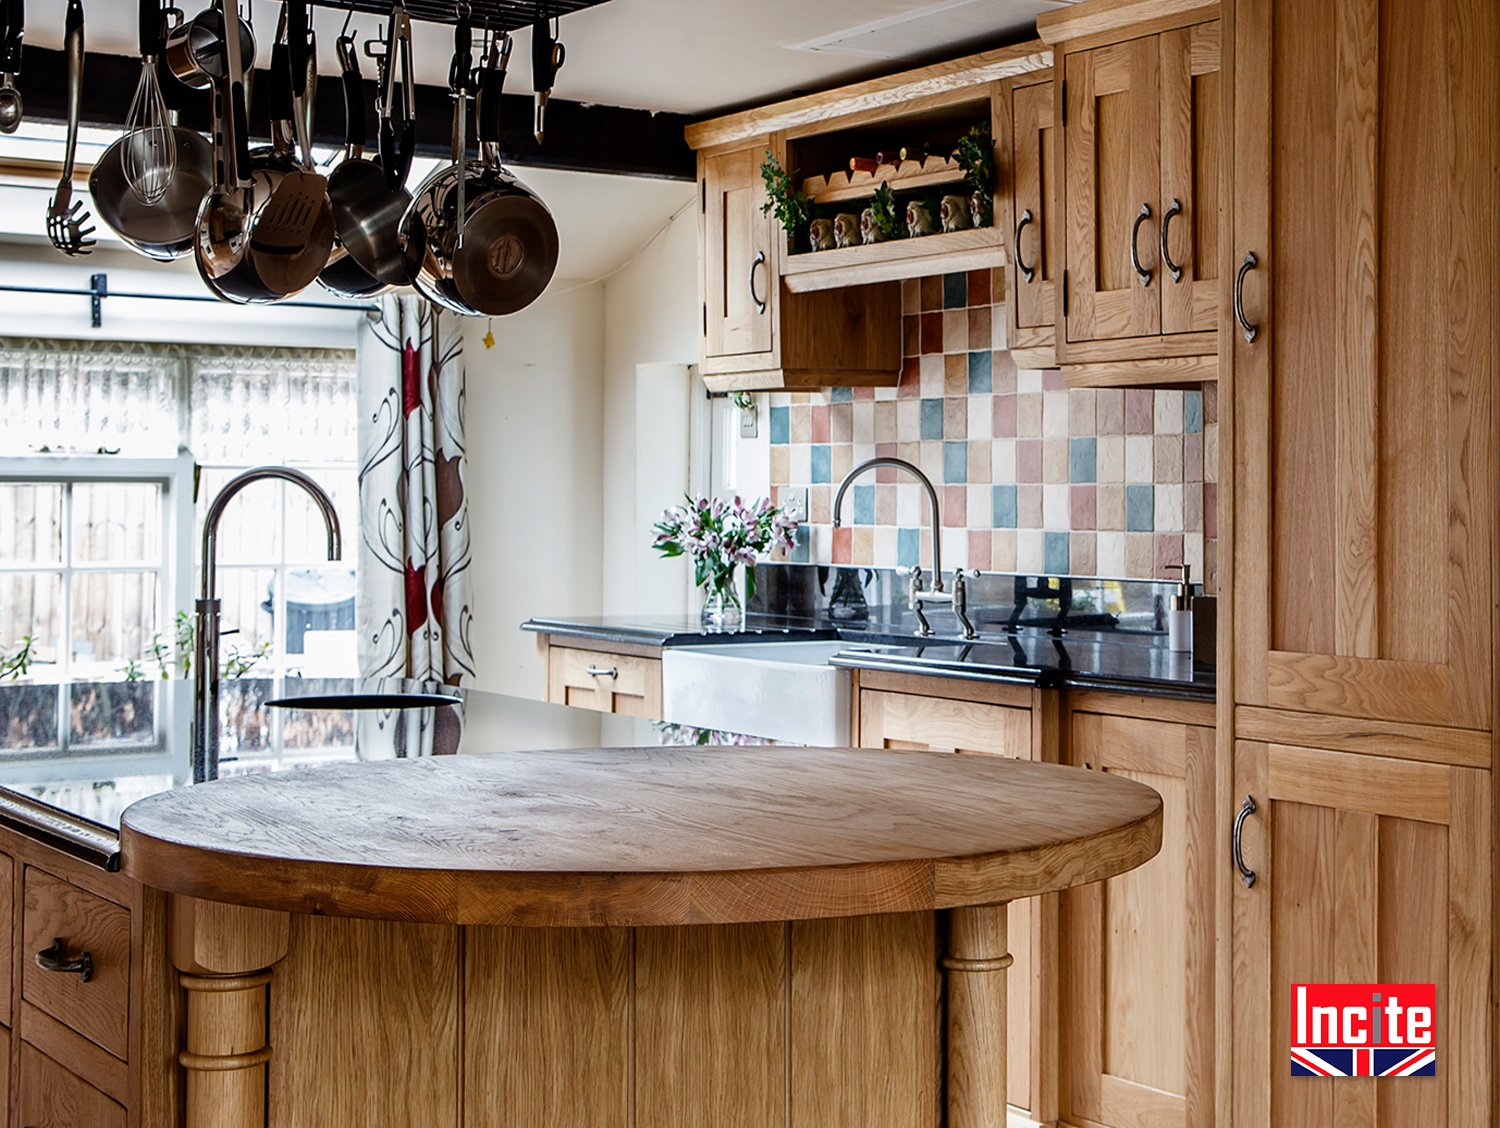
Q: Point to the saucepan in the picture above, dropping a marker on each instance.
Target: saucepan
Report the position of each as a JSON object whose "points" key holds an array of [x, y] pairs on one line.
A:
{"points": [[195, 50]]}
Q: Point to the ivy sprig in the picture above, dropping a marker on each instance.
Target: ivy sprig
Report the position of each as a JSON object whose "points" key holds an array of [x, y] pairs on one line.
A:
{"points": [[792, 206]]}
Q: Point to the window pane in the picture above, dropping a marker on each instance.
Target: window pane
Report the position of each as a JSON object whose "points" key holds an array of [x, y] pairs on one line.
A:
{"points": [[28, 717], [250, 529], [30, 524], [114, 620], [116, 522], [112, 713], [306, 534], [31, 607], [246, 606]]}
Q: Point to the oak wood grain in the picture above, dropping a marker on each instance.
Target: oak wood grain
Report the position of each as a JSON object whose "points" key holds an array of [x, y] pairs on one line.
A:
{"points": [[1104, 17], [98, 1067], [51, 1097], [642, 836], [1460, 747], [214, 938]]}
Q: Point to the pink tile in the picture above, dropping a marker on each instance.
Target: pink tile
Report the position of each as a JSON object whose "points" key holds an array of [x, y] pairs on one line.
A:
{"points": [[1028, 460], [1192, 509], [820, 423], [885, 473], [979, 539], [1211, 509], [885, 504], [979, 295], [955, 506], [1029, 507], [1005, 417], [1083, 502], [1168, 551], [911, 379], [842, 545], [1052, 380], [1192, 458], [932, 332], [864, 394], [1139, 412]]}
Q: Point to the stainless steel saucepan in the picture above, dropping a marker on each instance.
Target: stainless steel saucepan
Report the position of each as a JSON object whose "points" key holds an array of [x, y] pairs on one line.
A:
{"points": [[194, 50]]}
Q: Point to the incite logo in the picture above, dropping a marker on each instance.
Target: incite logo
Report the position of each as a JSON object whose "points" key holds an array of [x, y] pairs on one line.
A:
{"points": [[1363, 1030]]}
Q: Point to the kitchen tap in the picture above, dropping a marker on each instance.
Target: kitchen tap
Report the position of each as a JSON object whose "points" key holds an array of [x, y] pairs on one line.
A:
{"points": [[918, 597], [206, 632]]}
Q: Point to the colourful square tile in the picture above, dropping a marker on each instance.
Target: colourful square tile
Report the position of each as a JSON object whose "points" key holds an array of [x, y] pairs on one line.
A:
{"points": [[841, 423], [820, 423], [822, 463], [863, 415], [1109, 512], [1082, 501], [1192, 554], [1083, 457], [999, 332], [1002, 373], [908, 547], [1210, 510], [1055, 554], [1109, 411], [932, 293], [862, 547], [911, 378], [1110, 463], [1210, 402], [955, 374], [1056, 506], [1003, 550], [843, 545], [1083, 559], [1168, 458], [934, 374], [1140, 458], [1192, 412], [862, 512], [1081, 402], [1055, 415], [800, 552], [1192, 509], [981, 411], [955, 548], [979, 290], [1028, 506], [930, 461], [818, 504], [1111, 549], [840, 395], [955, 462], [885, 505], [1028, 416], [955, 291], [981, 336], [911, 335], [799, 472], [932, 333], [1029, 381], [1210, 452], [800, 425], [979, 507], [1004, 417], [956, 417], [1029, 460], [979, 460], [1168, 552], [781, 464], [932, 419], [955, 507], [1055, 460], [1192, 458], [1140, 556], [955, 330], [885, 546], [997, 284], [908, 420], [885, 473], [885, 422], [980, 378], [863, 394], [1003, 460], [843, 461], [1139, 411], [1140, 508], [1210, 567], [1169, 413], [1052, 380], [911, 295], [979, 549], [781, 425], [910, 504]]}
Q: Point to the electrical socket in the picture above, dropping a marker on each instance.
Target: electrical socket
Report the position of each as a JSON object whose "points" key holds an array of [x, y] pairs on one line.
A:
{"points": [[793, 499]]}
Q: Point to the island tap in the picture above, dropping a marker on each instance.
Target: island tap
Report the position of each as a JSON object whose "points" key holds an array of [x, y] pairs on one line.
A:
{"points": [[206, 632], [936, 594]]}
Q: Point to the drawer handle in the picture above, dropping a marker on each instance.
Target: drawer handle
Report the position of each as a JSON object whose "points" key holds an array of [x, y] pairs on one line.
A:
{"points": [[760, 305], [1250, 331], [51, 959], [1027, 272], [596, 672], [1247, 875], [1166, 221], [1135, 239]]}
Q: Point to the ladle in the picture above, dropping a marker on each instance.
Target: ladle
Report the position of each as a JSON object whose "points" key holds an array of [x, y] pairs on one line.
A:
{"points": [[12, 26]]}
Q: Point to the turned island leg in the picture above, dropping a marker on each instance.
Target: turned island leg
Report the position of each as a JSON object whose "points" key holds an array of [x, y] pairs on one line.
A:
{"points": [[978, 955], [225, 953]]}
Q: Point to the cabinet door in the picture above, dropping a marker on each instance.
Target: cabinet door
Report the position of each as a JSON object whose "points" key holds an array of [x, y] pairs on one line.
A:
{"points": [[1138, 950], [52, 1097], [1112, 168], [1030, 212], [1362, 409], [738, 269], [1191, 145], [1367, 870]]}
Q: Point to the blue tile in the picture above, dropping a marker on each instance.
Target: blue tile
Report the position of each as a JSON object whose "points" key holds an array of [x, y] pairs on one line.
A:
{"points": [[979, 372], [1192, 412], [781, 424], [840, 395], [864, 505], [1055, 553], [955, 291], [801, 551], [1005, 507], [908, 547], [1083, 455], [955, 463], [932, 419], [1140, 509], [822, 463]]}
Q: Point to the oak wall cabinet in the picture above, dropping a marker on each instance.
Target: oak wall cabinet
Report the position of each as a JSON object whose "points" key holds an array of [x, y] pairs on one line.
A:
{"points": [[1026, 142], [1138, 106]]}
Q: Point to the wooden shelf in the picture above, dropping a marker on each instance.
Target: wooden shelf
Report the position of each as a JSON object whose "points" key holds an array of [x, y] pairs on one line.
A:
{"points": [[858, 185], [944, 253]]}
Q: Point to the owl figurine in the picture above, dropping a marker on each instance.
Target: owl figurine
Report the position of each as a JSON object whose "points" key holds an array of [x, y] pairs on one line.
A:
{"points": [[846, 229], [919, 220], [821, 234], [980, 212], [955, 213]]}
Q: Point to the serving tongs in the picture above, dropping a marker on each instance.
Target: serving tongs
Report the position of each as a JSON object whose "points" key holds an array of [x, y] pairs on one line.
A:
{"points": [[12, 27], [65, 216], [398, 113]]}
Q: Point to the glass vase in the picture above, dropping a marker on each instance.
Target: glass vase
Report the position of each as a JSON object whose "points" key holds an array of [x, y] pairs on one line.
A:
{"points": [[721, 604]]}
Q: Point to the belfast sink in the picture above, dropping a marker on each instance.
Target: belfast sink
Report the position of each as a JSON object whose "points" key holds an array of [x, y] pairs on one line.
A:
{"points": [[783, 691]]}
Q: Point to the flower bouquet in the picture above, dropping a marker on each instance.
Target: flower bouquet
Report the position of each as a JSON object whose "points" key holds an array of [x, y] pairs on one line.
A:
{"points": [[720, 536]]}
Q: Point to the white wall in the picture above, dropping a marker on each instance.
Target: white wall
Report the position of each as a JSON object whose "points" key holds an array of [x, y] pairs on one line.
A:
{"points": [[534, 426], [651, 316]]}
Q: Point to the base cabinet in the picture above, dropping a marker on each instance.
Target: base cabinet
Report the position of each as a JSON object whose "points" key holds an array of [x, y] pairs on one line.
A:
{"points": [[625, 680], [54, 1097]]}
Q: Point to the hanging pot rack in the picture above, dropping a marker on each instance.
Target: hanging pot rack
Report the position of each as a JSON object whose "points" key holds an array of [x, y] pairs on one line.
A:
{"points": [[499, 15]]}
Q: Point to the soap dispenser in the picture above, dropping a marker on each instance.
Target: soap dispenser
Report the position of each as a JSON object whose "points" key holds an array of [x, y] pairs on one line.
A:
{"points": [[1180, 617]]}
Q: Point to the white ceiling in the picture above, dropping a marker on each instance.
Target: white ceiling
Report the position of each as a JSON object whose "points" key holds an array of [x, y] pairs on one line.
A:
{"points": [[688, 56]]}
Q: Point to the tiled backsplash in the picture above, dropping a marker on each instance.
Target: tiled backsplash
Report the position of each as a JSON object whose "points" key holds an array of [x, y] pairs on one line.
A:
{"points": [[1033, 477]]}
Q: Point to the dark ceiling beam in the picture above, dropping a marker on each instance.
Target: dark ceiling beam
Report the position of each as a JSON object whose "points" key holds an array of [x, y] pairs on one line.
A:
{"points": [[580, 137]]}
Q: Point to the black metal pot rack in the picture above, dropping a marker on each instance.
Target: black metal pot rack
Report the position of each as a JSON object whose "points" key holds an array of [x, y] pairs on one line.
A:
{"points": [[499, 15]]}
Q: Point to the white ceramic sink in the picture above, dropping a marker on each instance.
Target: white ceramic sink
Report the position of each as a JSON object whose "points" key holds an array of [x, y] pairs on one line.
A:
{"points": [[777, 690]]}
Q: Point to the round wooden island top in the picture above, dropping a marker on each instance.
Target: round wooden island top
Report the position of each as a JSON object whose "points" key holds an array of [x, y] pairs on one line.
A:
{"points": [[632, 836]]}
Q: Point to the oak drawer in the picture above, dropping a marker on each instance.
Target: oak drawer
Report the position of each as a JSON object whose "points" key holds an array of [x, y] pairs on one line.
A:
{"points": [[100, 1008], [620, 683], [52, 1097]]}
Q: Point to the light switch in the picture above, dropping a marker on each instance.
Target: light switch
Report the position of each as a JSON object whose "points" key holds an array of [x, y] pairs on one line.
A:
{"points": [[749, 422]]}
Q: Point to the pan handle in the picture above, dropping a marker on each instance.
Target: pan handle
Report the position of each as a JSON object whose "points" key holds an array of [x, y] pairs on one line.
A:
{"points": [[354, 97], [491, 83], [149, 29]]}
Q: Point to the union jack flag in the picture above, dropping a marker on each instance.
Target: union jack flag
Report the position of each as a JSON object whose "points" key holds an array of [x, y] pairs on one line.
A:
{"points": [[1318, 1061]]}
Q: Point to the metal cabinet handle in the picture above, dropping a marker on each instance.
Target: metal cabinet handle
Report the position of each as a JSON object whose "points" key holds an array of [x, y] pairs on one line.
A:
{"points": [[1250, 331], [1247, 875], [596, 672], [760, 306], [51, 958], [1027, 272], [1135, 235], [1166, 259]]}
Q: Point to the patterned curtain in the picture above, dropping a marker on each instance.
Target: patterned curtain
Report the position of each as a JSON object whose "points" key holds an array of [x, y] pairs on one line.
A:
{"points": [[414, 610]]}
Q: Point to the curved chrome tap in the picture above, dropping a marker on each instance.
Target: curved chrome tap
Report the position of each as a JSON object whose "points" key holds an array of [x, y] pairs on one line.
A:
{"points": [[206, 632], [932, 502]]}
